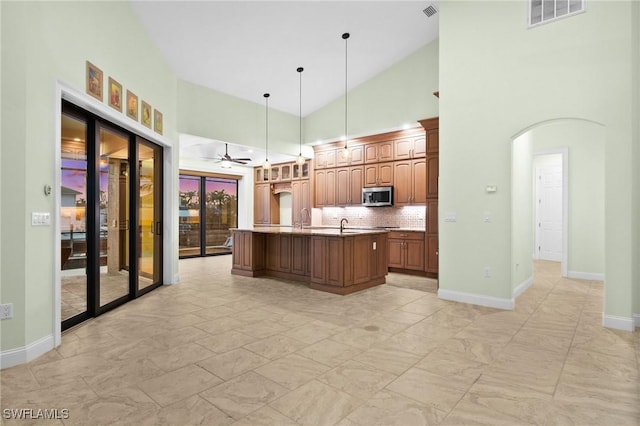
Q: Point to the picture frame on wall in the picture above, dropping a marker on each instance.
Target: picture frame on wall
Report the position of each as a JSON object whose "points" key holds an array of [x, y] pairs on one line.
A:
{"points": [[132, 105], [157, 121], [115, 94], [94, 81], [146, 114]]}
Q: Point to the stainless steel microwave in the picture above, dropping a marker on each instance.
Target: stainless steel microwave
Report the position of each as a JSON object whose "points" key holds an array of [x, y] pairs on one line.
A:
{"points": [[377, 196]]}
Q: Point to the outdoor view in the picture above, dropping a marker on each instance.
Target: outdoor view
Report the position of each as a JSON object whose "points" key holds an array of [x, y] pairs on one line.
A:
{"points": [[204, 229]]}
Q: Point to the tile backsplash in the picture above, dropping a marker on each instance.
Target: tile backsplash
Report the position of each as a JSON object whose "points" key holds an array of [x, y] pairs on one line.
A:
{"points": [[403, 217]]}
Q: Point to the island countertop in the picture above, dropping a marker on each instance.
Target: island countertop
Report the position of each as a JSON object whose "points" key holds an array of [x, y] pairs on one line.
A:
{"points": [[311, 230]]}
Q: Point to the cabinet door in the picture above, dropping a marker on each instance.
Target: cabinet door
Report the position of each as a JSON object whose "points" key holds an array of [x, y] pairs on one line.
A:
{"points": [[419, 147], [402, 186], [371, 175], [432, 217], [331, 158], [357, 155], [414, 255], [385, 151], [299, 254], [330, 188], [419, 182], [321, 188], [385, 174], [261, 203], [356, 177], [342, 187], [402, 148], [284, 251], [432, 137], [396, 251], [432, 180], [273, 252], [335, 256], [320, 160], [318, 259], [432, 254], [305, 197], [296, 202], [371, 153]]}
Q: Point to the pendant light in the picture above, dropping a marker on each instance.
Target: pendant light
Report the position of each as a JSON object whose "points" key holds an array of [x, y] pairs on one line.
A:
{"points": [[345, 150], [266, 165], [300, 159]]}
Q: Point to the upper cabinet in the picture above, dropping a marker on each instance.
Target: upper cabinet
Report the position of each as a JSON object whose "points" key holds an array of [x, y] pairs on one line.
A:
{"points": [[355, 157], [325, 159], [378, 152], [410, 147], [301, 171]]}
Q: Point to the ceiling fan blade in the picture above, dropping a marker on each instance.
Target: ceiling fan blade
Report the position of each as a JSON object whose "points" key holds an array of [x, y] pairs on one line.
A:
{"points": [[243, 159], [238, 160]]}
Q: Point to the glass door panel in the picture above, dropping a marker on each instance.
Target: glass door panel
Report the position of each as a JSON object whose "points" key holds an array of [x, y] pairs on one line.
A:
{"points": [[149, 214], [220, 214], [73, 217], [189, 216], [114, 215]]}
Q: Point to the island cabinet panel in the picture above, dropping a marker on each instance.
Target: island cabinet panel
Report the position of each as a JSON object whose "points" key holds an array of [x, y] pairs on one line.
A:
{"points": [[273, 251], [300, 255], [362, 264], [248, 256], [318, 259], [334, 252], [284, 257]]}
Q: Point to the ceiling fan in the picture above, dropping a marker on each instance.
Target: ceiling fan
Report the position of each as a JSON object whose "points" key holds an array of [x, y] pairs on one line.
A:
{"points": [[229, 159]]}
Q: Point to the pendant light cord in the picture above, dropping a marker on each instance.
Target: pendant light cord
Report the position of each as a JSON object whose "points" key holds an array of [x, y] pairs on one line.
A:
{"points": [[300, 69], [266, 98], [345, 36]]}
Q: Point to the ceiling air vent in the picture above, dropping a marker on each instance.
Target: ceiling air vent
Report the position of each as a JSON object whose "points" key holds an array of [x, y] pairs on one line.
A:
{"points": [[430, 10]]}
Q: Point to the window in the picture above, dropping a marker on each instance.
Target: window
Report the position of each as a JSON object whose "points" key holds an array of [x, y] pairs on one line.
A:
{"points": [[542, 11], [208, 209]]}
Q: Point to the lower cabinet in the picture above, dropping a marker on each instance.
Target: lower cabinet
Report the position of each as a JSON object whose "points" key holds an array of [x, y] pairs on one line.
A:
{"points": [[406, 250]]}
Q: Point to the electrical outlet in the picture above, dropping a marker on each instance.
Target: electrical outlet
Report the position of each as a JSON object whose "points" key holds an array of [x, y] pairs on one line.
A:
{"points": [[6, 311], [487, 272]]}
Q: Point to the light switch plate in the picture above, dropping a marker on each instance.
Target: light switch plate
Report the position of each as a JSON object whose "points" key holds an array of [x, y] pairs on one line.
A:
{"points": [[451, 217], [40, 219]]}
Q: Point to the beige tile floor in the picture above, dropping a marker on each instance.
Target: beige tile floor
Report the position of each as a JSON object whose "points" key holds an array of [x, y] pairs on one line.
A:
{"points": [[221, 350]]}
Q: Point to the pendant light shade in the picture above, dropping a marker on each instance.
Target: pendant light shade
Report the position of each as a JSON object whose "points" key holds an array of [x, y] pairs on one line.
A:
{"points": [[345, 150], [300, 159], [266, 164]]}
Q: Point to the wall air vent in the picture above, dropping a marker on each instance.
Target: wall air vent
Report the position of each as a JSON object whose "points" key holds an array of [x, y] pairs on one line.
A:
{"points": [[543, 11], [430, 10]]}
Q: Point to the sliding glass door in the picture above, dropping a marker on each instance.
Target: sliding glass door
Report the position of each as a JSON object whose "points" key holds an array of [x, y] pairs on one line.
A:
{"points": [[208, 209], [111, 215]]}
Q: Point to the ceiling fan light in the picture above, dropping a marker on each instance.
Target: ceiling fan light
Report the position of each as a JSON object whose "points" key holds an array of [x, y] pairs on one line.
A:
{"points": [[226, 164]]}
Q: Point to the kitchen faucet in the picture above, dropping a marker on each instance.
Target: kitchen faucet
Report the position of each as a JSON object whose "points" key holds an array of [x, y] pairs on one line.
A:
{"points": [[342, 222], [304, 209]]}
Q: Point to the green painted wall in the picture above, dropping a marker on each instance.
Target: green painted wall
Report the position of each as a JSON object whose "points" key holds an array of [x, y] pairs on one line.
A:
{"points": [[401, 94], [522, 211], [522, 77], [636, 156], [215, 115], [43, 42]]}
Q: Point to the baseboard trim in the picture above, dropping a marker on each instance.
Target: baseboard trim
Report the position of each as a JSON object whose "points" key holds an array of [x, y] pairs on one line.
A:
{"points": [[476, 299], [522, 287], [592, 276], [27, 353], [618, 323], [636, 320]]}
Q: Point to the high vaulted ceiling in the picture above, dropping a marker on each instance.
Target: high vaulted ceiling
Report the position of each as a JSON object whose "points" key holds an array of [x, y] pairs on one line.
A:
{"points": [[247, 48]]}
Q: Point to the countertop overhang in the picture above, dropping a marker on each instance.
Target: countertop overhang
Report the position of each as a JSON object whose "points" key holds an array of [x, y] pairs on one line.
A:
{"points": [[348, 232]]}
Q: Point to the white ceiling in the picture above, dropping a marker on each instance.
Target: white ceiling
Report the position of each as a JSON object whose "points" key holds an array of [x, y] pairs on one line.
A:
{"points": [[245, 48]]}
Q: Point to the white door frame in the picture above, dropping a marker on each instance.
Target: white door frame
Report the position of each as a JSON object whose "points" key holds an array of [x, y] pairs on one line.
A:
{"points": [[564, 153]]}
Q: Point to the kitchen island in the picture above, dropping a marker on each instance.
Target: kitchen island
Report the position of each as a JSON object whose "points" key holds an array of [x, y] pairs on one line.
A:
{"points": [[327, 259]]}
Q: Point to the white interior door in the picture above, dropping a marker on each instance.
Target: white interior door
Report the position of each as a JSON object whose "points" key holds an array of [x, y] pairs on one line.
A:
{"points": [[549, 217]]}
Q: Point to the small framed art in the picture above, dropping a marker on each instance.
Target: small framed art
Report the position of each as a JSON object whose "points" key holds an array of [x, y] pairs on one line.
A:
{"points": [[146, 114], [157, 121], [115, 94], [94, 81], [132, 105]]}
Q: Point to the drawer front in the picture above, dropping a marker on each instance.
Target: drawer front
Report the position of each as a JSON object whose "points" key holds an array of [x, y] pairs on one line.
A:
{"points": [[407, 235]]}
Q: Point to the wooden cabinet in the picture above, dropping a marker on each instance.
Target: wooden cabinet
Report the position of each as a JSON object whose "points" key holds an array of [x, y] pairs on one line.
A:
{"points": [[432, 178], [300, 255], [410, 182], [379, 174], [431, 127], [409, 147], [300, 171], [325, 159], [325, 190], [262, 175], [301, 199], [265, 207], [349, 182], [432, 138], [248, 253], [356, 156], [406, 250], [378, 152]]}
